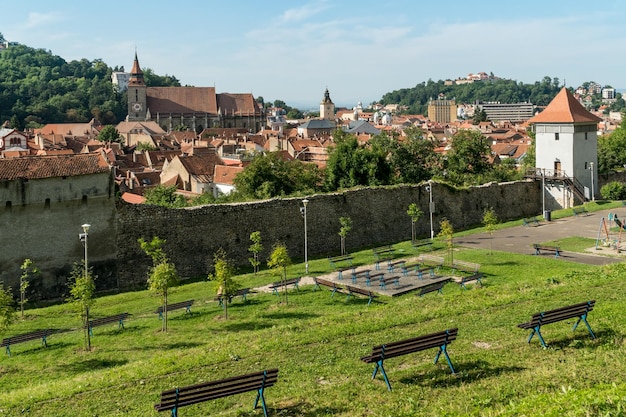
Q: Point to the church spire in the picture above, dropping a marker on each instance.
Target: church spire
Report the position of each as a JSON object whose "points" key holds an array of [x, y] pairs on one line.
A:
{"points": [[136, 74]]}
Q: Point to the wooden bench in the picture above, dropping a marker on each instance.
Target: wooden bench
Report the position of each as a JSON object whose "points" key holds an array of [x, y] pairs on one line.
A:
{"points": [[430, 270], [547, 248], [435, 286], [463, 266], [439, 340], [422, 244], [383, 254], [36, 335], [292, 281], [176, 306], [180, 397], [431, 260], [319, 282], [357, 274], [383, 281], [580, 311], [392, 264], [336, 260], [377, 275], [579, 211], [531, 221], [361, 291], [469, 278], [117, 318], [243, 293], [340, 271]]}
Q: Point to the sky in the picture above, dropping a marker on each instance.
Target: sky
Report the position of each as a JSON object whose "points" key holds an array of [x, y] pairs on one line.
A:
{"points": [[359, 50]]}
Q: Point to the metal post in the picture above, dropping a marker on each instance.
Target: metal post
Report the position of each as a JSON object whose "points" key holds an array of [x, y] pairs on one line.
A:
{"points": [[84, 238], [593, 194], [543, 190], [431, 208], [306, 255]]}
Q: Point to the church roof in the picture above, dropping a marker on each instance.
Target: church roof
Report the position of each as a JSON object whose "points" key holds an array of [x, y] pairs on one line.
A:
{"points": [[181, 100], [241, 104], [564, 108]]}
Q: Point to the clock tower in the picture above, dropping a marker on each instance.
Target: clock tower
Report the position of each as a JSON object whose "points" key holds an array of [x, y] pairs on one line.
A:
{"points": [[136, 93]]}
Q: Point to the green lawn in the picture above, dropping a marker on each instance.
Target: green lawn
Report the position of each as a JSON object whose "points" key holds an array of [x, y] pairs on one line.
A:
{"points": [[316, 341]]}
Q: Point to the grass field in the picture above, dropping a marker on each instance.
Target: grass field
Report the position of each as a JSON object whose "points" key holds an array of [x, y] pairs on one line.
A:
{"points": [[316, 341]]}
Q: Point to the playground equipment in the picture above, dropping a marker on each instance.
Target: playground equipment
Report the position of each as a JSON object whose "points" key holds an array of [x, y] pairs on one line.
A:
{"points": [[609, 239]]}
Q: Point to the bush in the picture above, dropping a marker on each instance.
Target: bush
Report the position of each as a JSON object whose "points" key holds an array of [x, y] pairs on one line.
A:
{"points": [[614, 190]]}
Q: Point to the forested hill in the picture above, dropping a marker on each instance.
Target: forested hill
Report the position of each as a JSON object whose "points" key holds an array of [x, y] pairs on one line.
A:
{"points": [[37, 87], [497, 90]]}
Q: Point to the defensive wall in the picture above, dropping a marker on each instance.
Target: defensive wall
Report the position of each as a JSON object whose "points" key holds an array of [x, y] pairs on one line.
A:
{"points": [[378, 216]]}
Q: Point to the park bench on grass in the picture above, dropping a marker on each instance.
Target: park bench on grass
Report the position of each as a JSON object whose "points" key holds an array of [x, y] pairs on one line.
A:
{"points": [[392, 264], [117, 318], [424, 244], [292, 281], [383, 281], [579, 211], [38, 334], [360, 291], [531, 221], [580, 311], [435, 286], [467, 267], [357, 274], [547, 248], [319, 282], [335, 261], [383, 254], [176, 306], [477, 276], [243, 293], [193, 394], [391, 350]]}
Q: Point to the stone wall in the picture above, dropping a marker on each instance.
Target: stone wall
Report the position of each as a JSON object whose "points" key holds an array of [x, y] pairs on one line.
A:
{"points": [[378, 215]]}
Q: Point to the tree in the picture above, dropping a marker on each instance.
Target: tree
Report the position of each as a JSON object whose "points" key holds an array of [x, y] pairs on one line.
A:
{"points": [[164, 195], [279, 261], [346, 226], [163, 273], [468, 154], [109, 134], [415, 213], [82, 289], [447, 232], [413, 159], [490, 220], [29, 270], [7, 311], [479, 116], [255, 248], [223, 277]]}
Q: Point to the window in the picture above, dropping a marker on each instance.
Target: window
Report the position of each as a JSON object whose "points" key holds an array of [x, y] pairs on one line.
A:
{"points": [[84, 201], [585, 162], [46, 205], [586, 133], [8, 206], [556, 136]]}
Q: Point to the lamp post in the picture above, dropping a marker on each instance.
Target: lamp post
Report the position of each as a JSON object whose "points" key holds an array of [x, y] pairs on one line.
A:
{"points": [[593, 194], [306, 255], [431, 207], [83, 238]]}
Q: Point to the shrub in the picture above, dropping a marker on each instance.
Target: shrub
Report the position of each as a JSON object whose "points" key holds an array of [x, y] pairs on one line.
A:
{"points": [[614, 190]]}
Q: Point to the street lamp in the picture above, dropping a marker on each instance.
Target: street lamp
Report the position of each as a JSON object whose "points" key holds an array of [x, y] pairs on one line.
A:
{"points": [[593, 194], [83, 238], [306, 256], [431, 207]]}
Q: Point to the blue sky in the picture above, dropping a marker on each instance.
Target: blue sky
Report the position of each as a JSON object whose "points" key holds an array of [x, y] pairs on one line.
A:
{"points": [[360, 50]]}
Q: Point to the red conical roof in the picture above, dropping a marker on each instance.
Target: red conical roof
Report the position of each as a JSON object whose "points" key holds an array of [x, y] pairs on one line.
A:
{"points": [[564, 108]]}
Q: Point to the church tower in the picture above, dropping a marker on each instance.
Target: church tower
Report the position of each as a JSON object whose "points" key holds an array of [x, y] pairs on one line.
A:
{"points": [[327, 108], [566, 148], [137, 105]]}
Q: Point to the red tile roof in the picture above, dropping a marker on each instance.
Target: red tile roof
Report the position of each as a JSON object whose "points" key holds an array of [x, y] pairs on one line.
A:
{"points": [[37, 167], [564, 108], [226, 174], [181, 100], [133, 198]]}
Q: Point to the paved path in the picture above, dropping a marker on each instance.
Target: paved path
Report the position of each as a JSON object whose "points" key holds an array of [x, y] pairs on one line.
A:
{"points": [[520, 239]]}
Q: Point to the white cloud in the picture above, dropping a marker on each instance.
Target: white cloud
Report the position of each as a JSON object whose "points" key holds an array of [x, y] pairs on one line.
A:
{"points": [[305, 12], [36, 19]]}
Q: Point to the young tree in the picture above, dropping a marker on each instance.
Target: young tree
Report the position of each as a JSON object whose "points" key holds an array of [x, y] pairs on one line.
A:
{"points": [[346, 226], [447, 232], [109, 134], [29, 270], [163, 273], [490, 220], [255, 248], [7, 311], [82, 290], [279, 261], [415, 213], [223, 278]]}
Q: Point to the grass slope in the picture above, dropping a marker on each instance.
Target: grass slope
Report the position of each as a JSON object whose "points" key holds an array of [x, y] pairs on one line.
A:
{"points": [[316, 342]]}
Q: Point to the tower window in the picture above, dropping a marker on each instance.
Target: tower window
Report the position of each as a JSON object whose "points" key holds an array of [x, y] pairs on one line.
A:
{"points": [[586, 133], [46, 205], [556, 136]]}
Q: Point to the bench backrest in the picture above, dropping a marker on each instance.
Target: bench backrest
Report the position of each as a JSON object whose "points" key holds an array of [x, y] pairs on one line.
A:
{"points": [[430, 260], [193, 394], [109, 319], [415, 344], [463, 265], [359, 290], [25, 337], [563, 313], [176, 306], [325, 283]]}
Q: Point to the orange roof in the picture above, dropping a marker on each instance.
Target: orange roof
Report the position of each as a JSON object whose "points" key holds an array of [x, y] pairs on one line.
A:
{"points": [[564, 108], [133, 198], [34, 167], [226, 174]]}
